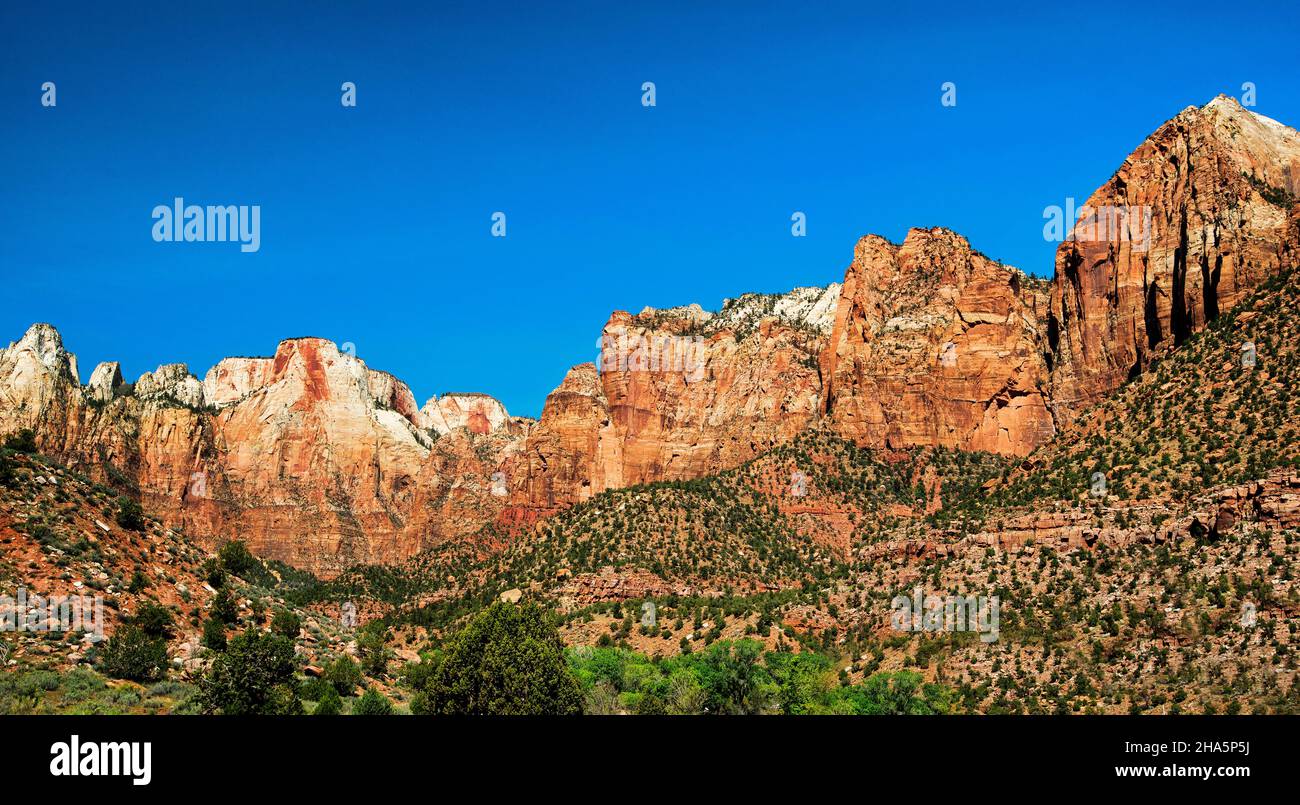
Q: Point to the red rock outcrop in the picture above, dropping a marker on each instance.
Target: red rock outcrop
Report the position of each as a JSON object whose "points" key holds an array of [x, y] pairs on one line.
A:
{"points": [[935, 344], [1219, 184]]}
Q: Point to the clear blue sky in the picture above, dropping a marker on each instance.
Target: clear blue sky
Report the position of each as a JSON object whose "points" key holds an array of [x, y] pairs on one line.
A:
{"points": [[376, 220]]}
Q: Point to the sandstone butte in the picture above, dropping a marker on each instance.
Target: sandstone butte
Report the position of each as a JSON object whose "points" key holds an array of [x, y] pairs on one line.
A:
{"points": [[320, 461]]}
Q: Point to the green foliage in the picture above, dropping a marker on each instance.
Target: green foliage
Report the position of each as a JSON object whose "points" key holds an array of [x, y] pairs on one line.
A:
{"points": [[236, 558], [898, 693], [133, 654], [213, 573], [343, 674], [7, 475], [329, 703], [287, 623], [223, 606], [214, 634], [139, 582], [154, 619], [129, 515], [254, 676], [24, 441], [372, 703], [508, 661]]}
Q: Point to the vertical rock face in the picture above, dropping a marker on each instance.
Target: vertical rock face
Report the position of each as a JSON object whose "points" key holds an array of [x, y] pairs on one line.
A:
{"points": [[679, 393], [37, 376], [235, 378], [309, 455], [478, 412], [105, 382], [171, 382], [1220, 184], [935, 344]]}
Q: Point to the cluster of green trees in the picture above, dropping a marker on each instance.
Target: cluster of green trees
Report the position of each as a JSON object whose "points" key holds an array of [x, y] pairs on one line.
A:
{"points": [[739, 678], [509, 661]]}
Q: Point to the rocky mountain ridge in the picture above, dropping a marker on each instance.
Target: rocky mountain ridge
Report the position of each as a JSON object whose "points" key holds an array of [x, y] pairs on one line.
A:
{"points": [[323, 462]]}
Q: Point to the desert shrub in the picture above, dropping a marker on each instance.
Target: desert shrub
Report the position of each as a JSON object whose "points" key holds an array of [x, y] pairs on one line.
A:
{"points": [[129, 514], [214, 634], [344, 675], [24, 441], [223, 606], [133, 654], [508, 660], [236, 559], [329, 703], [286, 623], [372, 703]]}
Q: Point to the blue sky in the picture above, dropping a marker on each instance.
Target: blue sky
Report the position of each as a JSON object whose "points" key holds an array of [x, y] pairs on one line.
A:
{"points": [[375, 222]]}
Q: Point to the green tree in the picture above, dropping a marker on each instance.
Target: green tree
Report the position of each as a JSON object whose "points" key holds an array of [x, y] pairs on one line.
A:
{"points": [[898, 693], [372, 646], [254, 676], [236, 558], [508, 661], [132, 654], [223, 606], [24, 441], [329, 703], [372, 703], [129, 514], [286, 623], [343, 674], [153, 619], [214, 634]]}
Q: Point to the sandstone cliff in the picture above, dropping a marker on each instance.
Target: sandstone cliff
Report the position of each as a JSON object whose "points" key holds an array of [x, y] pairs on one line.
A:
{"points": [[1220, 184], [935, 344]]}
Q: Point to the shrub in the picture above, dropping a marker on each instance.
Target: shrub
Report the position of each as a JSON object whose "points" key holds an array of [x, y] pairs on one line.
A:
{"points": [[223, 606], [214, 634], [372, 703], [133, 654], [139, 583], [344, 675], [329, 703], [286, 623], [509, 660], [313, 689], [129, 515], [212, 573], [372, 646], [236, 559], [24, 441], [154, 619]]}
